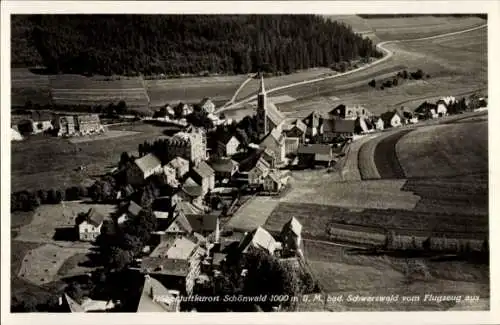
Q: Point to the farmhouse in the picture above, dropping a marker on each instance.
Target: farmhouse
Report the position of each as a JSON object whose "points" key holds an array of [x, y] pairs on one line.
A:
{"points": [[175, 262], [426, 111], [443, 104], [228, 145], [379, 123], [275, 142], [258, 240], [362, 125], [315, 154], [88, 123], [207, 105], [224, 168], [269, 157], [335, 128], [204, 174], [177, 225], [182, 110], [268, 115], [142, 168], [89, 227], [392, 119], [154, 297], [203, 224]]}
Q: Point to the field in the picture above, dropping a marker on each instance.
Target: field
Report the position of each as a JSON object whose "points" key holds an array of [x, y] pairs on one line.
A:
{"points": [[49, 162], [388, 29], [219, 89], [457, 66], [69, 89], [336, 267], [444, 150], [252, 214]]}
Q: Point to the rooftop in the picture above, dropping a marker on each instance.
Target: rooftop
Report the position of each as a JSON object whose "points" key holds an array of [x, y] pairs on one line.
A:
{"points": [[316, 148], [174, 248], [202, 222], [191, 188], [155, 297], [224, 165], [147, 162], [203, 170]]}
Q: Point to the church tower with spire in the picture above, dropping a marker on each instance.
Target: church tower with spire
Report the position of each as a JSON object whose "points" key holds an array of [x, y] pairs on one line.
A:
{"points": [[262, 124]]}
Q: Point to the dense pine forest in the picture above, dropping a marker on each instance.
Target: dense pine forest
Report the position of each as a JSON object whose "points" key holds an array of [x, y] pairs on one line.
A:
{"points": [[187, 44], [368, 16]]}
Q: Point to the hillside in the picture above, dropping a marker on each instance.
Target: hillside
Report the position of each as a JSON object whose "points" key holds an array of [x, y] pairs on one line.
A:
{"points": [[187, 44]]}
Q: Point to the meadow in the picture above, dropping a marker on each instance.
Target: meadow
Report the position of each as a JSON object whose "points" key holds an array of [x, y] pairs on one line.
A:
{"points": [[44, 162]]}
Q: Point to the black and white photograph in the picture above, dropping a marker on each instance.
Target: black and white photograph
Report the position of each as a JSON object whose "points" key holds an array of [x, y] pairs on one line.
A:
{"points": [[183, 162]]}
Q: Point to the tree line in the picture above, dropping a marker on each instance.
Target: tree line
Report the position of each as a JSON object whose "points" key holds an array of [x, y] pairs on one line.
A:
{"points": [[187, 44]]}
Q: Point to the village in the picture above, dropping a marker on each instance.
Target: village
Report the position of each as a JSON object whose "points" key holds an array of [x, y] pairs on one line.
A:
{"points": [[174, 199]]}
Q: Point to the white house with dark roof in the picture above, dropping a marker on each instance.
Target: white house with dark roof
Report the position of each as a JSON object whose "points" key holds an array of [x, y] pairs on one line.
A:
{"points": [[258, 239], [274, 181], [258, 173], [275, 142], [142, 168], [155, 297], [90, 226]]}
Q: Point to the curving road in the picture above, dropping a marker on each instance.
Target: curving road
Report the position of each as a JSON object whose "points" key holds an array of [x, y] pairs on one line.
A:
{"points": [[387, 56]]}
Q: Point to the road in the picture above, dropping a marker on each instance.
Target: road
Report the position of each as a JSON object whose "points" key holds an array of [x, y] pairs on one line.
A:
{"points": [[387, 56], [231, 101]]}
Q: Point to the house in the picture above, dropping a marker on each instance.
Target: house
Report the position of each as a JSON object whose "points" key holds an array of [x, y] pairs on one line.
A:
{"points": [[362, 125], [86, 306], [258, 240], [268, 116], [312, 122], [274, 182], [204, 174], [224, 168], [379, 123], [204, 224], [175, 262], [89, 227], [269, 157], [171, 175], [133, 210], [336, 128], [295, 129], [291, 237], [349, 112], [88, 124], [207, 105], [142, 168], [426, 111], [39, 121], [443, 104], [180, 165], [392, 119], [65, 125], [227, 145], [191, 191], [275, 142], [315, 154], [155, 297], [257, 174]]}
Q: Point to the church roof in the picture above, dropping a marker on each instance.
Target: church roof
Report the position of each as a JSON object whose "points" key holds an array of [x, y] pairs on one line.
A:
{"points": [[274, 114]]}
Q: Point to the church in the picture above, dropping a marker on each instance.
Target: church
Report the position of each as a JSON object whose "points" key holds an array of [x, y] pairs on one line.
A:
{"points": [[268, 116], [270, 124]]}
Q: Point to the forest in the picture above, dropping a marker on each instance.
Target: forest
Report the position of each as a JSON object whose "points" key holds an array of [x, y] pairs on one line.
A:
{"points": [[188, 44]]}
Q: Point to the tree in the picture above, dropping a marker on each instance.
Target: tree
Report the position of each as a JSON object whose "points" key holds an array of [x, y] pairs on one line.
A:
{"points": [[121, 107], [405, 74], [51, 196], [132, 243], [395, 82], [372, 83], [60, 196], [42, 195], [76, 291], [119, 258], [124, 159]]}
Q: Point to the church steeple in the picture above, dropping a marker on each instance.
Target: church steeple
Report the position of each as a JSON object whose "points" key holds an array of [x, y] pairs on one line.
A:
{"points": [[262, 108]]}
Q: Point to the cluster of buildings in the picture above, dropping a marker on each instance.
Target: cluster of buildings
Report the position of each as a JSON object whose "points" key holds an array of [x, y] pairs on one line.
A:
{"points": [[41, 121], [178, 113]]}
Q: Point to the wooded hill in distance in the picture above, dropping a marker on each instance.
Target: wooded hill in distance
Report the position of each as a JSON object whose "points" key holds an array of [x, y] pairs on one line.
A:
{"points": [[368, 16], [182, 44]]}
